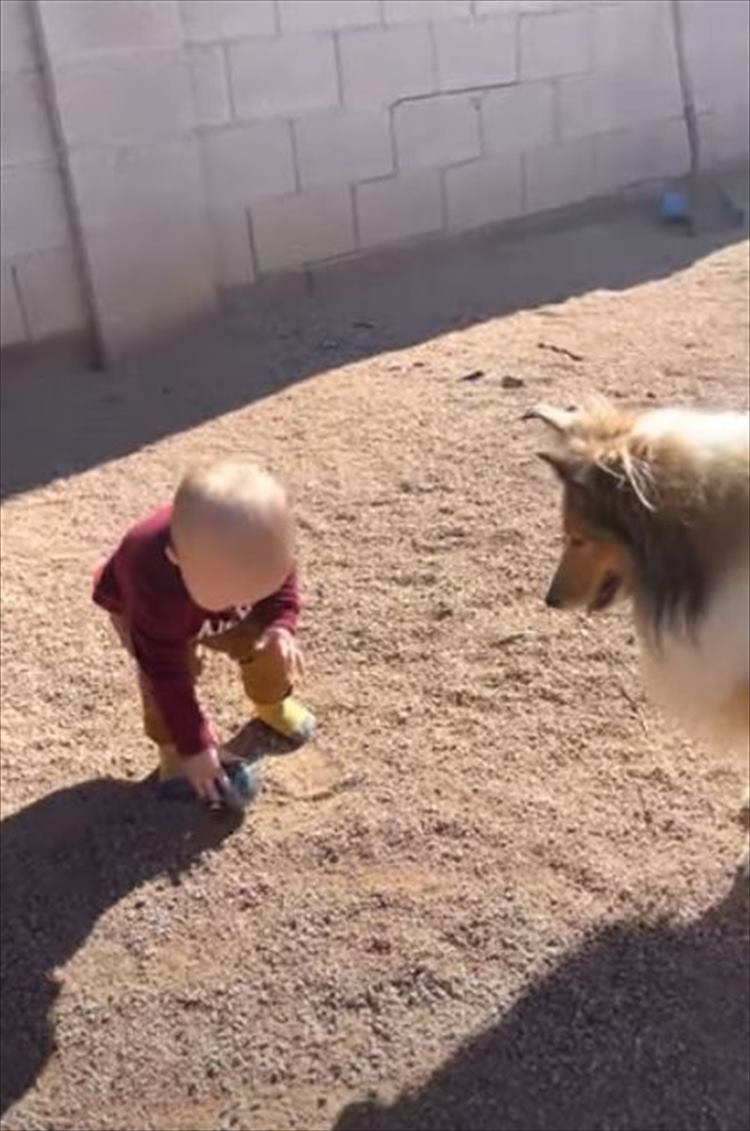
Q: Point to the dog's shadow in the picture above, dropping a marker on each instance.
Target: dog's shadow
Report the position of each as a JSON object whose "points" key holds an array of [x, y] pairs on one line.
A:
{"points": [[643, 1026], [66, 859]]}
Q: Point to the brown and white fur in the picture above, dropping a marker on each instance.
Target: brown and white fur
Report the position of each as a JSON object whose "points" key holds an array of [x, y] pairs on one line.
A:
{"points": [[656, 509]]}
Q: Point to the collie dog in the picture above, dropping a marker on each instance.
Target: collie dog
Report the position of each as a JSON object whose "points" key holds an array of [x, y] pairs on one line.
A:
{"points": [[656, 510]]}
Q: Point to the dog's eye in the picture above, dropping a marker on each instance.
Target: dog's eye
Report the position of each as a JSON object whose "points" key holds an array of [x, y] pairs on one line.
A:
{"points": [[577, 542]]}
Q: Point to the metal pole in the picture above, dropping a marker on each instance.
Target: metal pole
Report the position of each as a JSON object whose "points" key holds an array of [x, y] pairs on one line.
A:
{"points": [[686, 87], [100, 358]]}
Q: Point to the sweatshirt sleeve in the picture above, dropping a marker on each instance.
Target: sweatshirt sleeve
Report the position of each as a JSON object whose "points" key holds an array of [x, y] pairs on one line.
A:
{"points": [[281, 609], [165, 662]]}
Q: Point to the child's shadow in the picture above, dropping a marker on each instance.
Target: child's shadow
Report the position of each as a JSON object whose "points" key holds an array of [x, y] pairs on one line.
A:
{"points": [[66, 859]]}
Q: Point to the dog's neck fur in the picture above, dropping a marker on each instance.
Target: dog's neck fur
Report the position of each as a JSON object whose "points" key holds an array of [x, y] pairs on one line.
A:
{"points": [[674, 489]]}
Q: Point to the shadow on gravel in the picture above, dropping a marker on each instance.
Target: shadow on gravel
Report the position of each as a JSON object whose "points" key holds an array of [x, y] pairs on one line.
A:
{"points": [[645, 1027], [66, 860], [59, 424]]}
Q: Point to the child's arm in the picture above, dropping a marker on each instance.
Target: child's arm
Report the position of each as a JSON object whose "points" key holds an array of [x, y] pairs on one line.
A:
{"points": [[277, 617], [164, 661], [281, 609], [166, 664]]}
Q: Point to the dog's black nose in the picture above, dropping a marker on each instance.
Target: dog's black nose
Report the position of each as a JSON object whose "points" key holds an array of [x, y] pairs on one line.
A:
{"points": [[552, 601]]}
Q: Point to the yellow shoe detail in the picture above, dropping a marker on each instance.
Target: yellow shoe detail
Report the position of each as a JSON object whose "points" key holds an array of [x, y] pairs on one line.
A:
{"points": [[288, 718]]}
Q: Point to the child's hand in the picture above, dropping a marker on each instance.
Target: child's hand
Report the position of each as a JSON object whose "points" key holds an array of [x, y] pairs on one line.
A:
{"points": [[281, 643], [205, 772]]}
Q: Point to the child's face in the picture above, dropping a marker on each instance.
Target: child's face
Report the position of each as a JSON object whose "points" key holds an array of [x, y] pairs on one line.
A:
{"points": [[218, 579]]}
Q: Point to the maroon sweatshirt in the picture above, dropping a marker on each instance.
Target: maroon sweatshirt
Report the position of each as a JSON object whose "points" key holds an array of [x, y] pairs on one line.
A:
{"points": [[140, 585]]}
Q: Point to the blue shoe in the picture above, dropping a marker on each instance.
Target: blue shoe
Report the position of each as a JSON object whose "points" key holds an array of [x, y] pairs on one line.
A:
{"points": [[244, 783]]}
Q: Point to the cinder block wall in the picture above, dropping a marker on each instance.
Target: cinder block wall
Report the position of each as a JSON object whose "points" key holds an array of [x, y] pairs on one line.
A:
{"points": [[41, 292], [213, 142]]}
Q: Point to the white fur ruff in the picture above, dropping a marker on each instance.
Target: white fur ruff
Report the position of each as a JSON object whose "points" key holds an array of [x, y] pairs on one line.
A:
{"points": [[693, 673]]}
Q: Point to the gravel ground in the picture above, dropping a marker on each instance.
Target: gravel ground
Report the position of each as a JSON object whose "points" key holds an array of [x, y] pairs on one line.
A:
{"points": [[498, 891]]}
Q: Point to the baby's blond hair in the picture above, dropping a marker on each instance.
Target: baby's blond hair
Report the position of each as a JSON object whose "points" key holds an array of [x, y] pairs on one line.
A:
{"points": [[234, 497]]}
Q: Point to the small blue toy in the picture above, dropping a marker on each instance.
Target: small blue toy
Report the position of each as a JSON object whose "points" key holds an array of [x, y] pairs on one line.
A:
{"points": [[674, 207], [243, 786], [243, 783]]}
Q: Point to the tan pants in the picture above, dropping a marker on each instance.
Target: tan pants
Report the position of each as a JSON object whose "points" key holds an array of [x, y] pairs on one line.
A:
{"points": [[263, 677]]}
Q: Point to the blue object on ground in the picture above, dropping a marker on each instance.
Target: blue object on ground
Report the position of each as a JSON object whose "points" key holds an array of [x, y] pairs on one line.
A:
{"points": [[243, 786], [674, 207], [244, 783]]}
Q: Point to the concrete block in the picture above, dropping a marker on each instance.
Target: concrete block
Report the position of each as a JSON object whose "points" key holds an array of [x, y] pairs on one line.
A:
{"points": [[32, 210], [83, 29], [295, 230], [720, 83], [51, 292], [381, 66], [125, 100], [230, 241], [717, 27], [437, 131], [503, 7], [488, 7], [399, 208], [12, 326], [343, 147], [484, 192], [634, 35], [210, 20], [725, 134], [555, 44], [537, 6], [150, 277], [24, 122], [649, 97], [591, 104], [518, 117], [559, 174], [496, 7], [419, 11], [248, 162], [480, 53], [210, 84], [292, 75], [717, 41], [327, 15], [17, 51], [648, 152], [120, 187]]}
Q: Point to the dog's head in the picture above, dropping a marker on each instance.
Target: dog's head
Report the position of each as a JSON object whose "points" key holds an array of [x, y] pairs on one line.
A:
{"points": [[595, 567]]}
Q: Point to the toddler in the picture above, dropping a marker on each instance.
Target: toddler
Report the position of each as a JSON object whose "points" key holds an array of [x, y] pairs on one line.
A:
{"points": [[215, 568]]}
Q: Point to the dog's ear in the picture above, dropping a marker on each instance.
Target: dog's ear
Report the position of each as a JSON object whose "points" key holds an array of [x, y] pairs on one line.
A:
{"points": [[560, 420]]}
